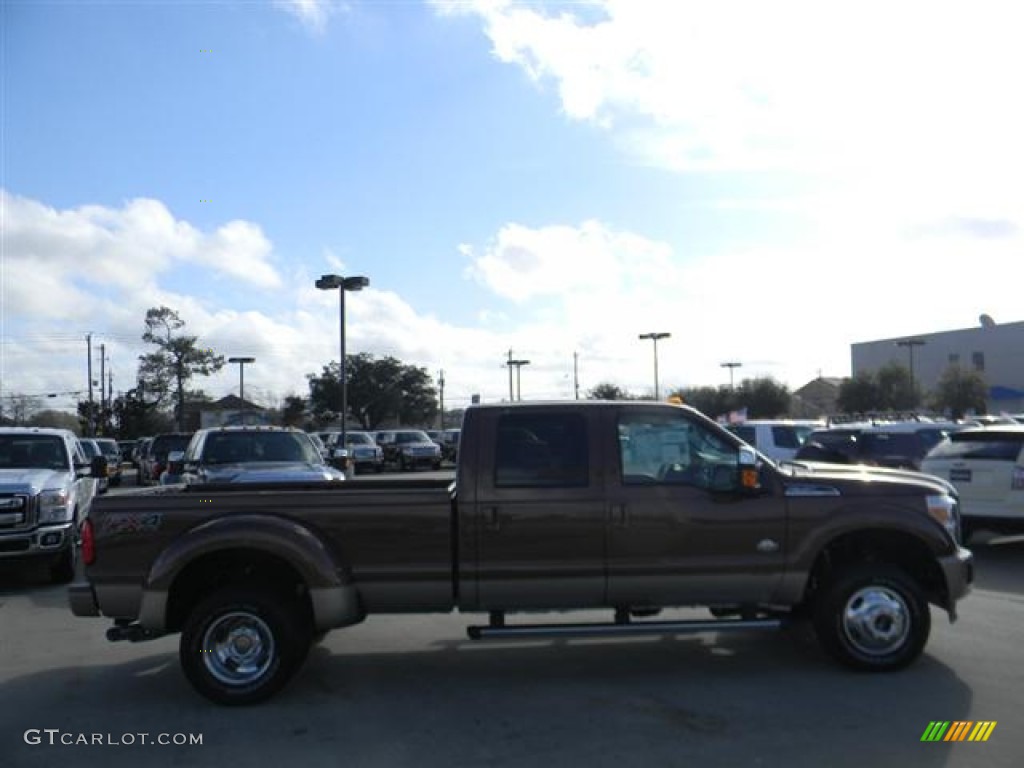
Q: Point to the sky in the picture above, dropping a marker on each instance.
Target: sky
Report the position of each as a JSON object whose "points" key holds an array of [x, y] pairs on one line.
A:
{"points": [[766, 182]]}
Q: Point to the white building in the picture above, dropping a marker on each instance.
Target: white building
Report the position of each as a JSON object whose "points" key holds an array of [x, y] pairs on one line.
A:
{"points": [[996, 351]]}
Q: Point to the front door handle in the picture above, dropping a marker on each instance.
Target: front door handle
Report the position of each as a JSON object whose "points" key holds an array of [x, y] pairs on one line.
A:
{"points": [[620, 516]]}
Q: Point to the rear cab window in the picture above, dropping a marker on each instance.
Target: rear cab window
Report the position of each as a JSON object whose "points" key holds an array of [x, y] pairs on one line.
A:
{"points": [[542, 450]]}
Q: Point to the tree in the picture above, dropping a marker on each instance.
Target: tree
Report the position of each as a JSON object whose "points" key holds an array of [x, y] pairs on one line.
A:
{"points": [[859, 394], [764, 398], [897, 391], [133, 417], [378, 391], [54, 419], [178, 358], [711, 401], [293, 411], [608, 391], [960, 390], [19, 409]]}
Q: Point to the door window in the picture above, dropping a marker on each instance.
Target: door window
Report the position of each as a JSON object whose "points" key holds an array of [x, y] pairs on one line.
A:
{"points": [[546, 450], [666, 448]]}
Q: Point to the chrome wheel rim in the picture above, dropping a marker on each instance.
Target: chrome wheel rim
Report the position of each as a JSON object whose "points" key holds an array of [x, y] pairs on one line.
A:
{"points": [[876, 620], [238, 648]]}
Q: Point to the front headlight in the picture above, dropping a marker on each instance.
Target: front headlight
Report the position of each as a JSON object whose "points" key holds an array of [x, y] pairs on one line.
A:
{"points": [[943, 510], [54, 507]]}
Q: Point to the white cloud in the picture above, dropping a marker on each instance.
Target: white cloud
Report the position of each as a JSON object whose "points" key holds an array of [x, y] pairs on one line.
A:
{"points": [[313, 14], [787, 312], [586, 288], [790, 84]]}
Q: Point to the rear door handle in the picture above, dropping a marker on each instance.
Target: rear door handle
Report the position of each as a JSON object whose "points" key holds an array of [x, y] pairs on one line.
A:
{"points": [[620, 516]]}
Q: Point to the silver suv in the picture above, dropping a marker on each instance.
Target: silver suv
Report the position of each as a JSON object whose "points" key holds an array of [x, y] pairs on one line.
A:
{"points": [[46, 488]]}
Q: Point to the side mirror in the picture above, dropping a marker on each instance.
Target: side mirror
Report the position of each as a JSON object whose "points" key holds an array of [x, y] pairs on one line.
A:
{"points": [[750, 477]]}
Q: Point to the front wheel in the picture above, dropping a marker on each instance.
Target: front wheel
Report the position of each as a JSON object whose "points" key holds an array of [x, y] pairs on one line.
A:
{"points": [[241, 645], [873, 618]]}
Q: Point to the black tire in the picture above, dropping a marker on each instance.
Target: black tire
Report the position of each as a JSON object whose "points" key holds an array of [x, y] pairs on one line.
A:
{"points": [[872, 618], [242, 644], [63, 569]]}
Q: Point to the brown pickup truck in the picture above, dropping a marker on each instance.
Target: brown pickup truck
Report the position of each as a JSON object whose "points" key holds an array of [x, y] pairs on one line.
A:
{"points": [[625, 506]]}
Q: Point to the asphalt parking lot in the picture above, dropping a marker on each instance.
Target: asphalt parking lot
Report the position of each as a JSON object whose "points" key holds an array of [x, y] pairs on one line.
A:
{"points": [[413, 691]]}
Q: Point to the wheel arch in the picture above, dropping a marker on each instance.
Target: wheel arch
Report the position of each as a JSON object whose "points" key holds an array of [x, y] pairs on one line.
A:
{"points": [[245, 550], [885, 546]]}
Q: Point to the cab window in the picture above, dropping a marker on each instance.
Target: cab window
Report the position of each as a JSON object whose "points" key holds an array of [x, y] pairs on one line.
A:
{"points": [[546, 450], [657, 448]]}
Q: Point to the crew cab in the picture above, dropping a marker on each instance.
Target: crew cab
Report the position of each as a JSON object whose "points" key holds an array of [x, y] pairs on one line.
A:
{"points": [[624, 506], [47, 486]]}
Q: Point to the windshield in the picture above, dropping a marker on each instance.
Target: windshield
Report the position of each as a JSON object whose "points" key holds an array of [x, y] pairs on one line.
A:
{"points": [[32, 452], [250, 447]]}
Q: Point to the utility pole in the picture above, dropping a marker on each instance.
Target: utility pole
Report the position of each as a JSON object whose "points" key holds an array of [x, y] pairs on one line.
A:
{"points": [[103, 376], [576, 373], [89, 420], [440, 381]]}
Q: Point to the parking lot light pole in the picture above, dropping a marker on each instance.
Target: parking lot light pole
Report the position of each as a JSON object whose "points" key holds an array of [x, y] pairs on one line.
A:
{"points": [[329, 283], [241, 379], [731, 365], [518, 365], [654, 337], [910, 344]]}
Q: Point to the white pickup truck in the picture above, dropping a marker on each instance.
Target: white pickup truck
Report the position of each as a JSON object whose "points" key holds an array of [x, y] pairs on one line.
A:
{"points": [[46, 488]]}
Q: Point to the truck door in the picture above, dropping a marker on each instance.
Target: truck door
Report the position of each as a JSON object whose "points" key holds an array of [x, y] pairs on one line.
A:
{"points": [[540, 512], [680, 531]]}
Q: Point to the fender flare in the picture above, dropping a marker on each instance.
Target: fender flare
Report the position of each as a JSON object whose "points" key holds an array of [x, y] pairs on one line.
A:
{"points": [[331, 588]]}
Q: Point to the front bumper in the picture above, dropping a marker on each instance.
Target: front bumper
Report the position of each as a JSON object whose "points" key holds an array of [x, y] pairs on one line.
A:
{"points": [[44, 540], [958, 572]]}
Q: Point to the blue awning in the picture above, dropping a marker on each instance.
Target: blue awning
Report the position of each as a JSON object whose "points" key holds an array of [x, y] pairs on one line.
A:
{"points": [[1005, 393]]}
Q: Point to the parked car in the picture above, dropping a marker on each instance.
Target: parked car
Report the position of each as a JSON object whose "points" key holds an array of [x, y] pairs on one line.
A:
{"points": [[47, 486], [127, 448], [252, 455], [409, 448], [450, 445], [155, 461], [364, 452], [138, 455], [112, 451], [986, 464], [779, 440], [901, 445], [91, 449], [621, 507]]}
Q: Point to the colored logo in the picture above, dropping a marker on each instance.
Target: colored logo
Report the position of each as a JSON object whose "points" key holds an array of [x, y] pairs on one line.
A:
{"points": [[959, 730]]}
